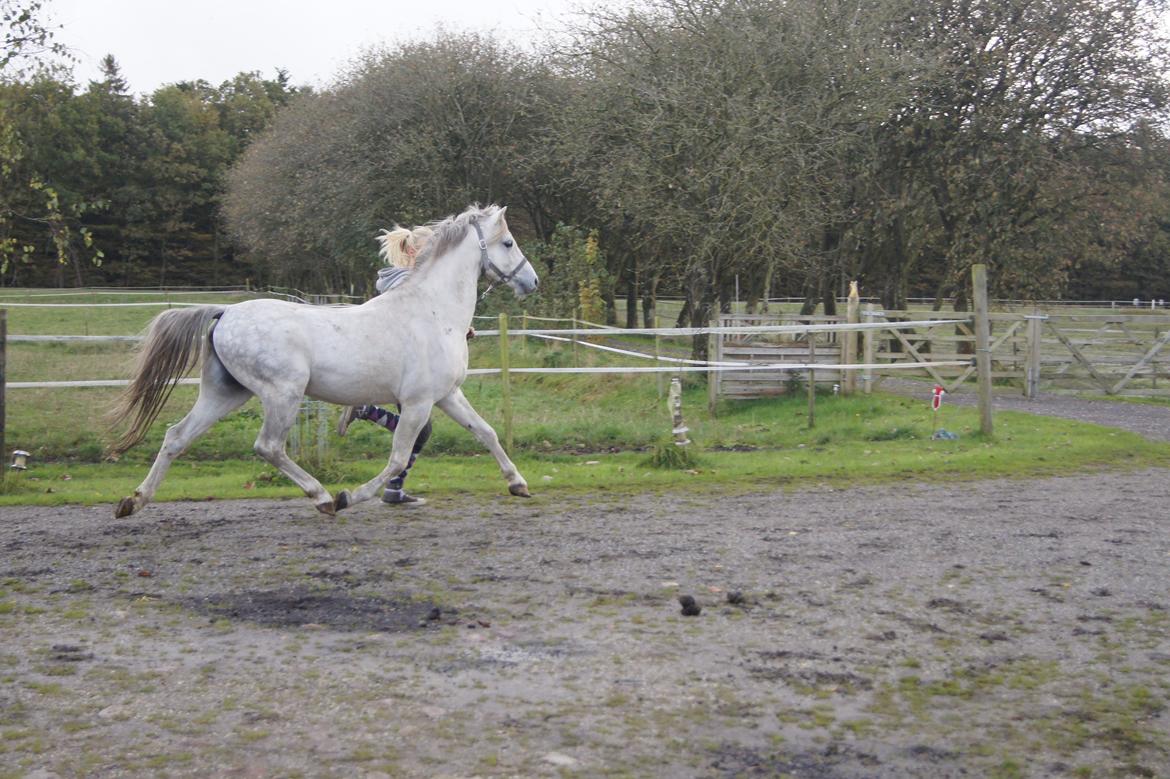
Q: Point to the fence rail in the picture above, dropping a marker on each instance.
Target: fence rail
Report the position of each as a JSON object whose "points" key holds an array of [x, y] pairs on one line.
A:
{"points": [[763, 363], [676, 365], [1118, 348]]}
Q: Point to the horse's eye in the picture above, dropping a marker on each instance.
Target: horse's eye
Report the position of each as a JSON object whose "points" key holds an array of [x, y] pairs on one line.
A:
{"points": [[508, 243]]}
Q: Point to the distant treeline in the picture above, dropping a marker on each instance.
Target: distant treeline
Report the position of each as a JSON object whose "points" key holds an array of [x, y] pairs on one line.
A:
{"points": [[138, 182], [698, 148]]}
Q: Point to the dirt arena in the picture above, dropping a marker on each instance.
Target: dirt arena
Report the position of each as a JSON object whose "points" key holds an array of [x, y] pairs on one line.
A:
{"points": [[1000, 628]]}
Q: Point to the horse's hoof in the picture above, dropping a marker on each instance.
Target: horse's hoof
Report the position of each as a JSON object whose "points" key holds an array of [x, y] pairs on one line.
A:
{"points": [[124, 508], [326, 508], [519, 490], [341, 501]]}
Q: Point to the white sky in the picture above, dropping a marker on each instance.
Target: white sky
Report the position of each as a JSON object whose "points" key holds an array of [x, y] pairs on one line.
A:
{"points": [[163, 41]]}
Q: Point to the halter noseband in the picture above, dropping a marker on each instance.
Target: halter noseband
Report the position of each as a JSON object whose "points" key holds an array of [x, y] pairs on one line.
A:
{"points": [[486, 263]]}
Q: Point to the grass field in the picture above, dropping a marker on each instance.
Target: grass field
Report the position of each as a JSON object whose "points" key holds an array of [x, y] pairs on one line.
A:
{"points": [[571, 432]]}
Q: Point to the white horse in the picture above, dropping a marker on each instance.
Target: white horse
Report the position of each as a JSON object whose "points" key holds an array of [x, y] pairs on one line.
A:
{"points": [[406, 346]]}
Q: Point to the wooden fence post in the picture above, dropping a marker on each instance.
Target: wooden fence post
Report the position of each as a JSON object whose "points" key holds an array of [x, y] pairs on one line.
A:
{"points": [[3, 380], [660, 377], [849, 350], [1032, 370], [505, 382], [812, 380], [713, 373], [575, 320], [982, 346], [867, 349], [524, 338]]}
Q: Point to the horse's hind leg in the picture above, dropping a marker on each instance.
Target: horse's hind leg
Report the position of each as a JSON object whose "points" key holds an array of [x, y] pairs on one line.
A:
{"points": [[219, 395], [280, 413], [458, 408]]}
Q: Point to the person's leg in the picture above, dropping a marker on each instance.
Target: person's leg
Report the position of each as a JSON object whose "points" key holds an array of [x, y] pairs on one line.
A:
{"points": [[394, 489], [379, 416], [371, 413]]}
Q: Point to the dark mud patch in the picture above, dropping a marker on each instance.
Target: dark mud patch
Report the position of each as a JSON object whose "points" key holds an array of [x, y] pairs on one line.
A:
{"points": [[833, 762], [336, 609]]}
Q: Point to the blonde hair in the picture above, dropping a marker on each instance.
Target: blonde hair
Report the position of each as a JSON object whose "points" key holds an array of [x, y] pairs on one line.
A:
{"points": [[401, 245]]}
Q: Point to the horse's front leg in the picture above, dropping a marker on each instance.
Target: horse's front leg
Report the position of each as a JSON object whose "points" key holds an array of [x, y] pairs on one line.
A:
{"points": [[458, 408], [411, 421]]}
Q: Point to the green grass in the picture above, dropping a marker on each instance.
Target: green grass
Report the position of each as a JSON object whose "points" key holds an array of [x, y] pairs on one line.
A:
{"points": [[777, 449], [571, 432]]}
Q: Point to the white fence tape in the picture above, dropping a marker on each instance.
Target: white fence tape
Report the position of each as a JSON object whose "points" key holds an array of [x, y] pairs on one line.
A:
{"points": [[168, 304], [60, 339], [820, 367], [680, 365]]}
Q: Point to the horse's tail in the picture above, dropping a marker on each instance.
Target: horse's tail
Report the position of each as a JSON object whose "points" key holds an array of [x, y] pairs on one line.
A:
{"points": [[173, 343]]}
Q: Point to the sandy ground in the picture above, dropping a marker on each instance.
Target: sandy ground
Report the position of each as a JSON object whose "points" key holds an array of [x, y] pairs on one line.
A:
{"points": [[1000, 628]]}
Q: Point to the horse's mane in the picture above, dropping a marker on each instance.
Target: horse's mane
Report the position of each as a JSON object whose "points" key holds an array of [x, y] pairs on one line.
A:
{"points": [[447, 233]]}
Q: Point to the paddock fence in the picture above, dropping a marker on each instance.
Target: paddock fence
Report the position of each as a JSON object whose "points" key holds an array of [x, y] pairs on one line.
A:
{"points": [[310, 429], [1112, 350], [1064, 349]]}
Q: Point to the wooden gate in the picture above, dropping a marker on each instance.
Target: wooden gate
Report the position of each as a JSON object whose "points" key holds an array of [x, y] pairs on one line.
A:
{"points": [[1111, 353], [819, 348]]}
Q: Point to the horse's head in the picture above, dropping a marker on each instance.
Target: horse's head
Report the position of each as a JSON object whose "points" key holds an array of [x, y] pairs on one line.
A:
{"points": [[500, 259]]}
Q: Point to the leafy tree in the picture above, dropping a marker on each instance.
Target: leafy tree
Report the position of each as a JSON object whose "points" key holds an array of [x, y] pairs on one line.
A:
{"points": [[410, 135], [25, 39], [137, 182], [991, 158], [721, 132], [30, 207]]}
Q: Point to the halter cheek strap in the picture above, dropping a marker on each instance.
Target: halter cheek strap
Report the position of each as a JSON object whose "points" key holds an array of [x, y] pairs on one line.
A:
{"points": [[486, 263]]}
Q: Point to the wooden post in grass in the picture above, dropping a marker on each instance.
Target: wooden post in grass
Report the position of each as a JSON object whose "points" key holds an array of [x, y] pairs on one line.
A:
{"points": [[575, 310], [713, 373], [505, 382], [812, 380], [982, 346], [661, 377], [524, 338], [3, 379], [868, 350], [849, 348], [1032, 370], [679, 428]]}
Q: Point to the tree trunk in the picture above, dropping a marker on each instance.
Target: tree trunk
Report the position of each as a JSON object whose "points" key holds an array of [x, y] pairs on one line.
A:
{"points": [[684, 315], [632, 299], [215, 256], [963, 303], [701, 317], [650, 302], [828, 296], [811, 295], [768, 274]]}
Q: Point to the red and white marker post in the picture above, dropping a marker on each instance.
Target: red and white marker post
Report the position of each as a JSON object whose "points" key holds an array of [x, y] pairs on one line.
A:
{"points": [[936, 402]]}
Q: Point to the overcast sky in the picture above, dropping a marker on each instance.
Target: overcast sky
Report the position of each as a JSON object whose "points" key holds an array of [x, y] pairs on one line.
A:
{"points": [[163, 41]]}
